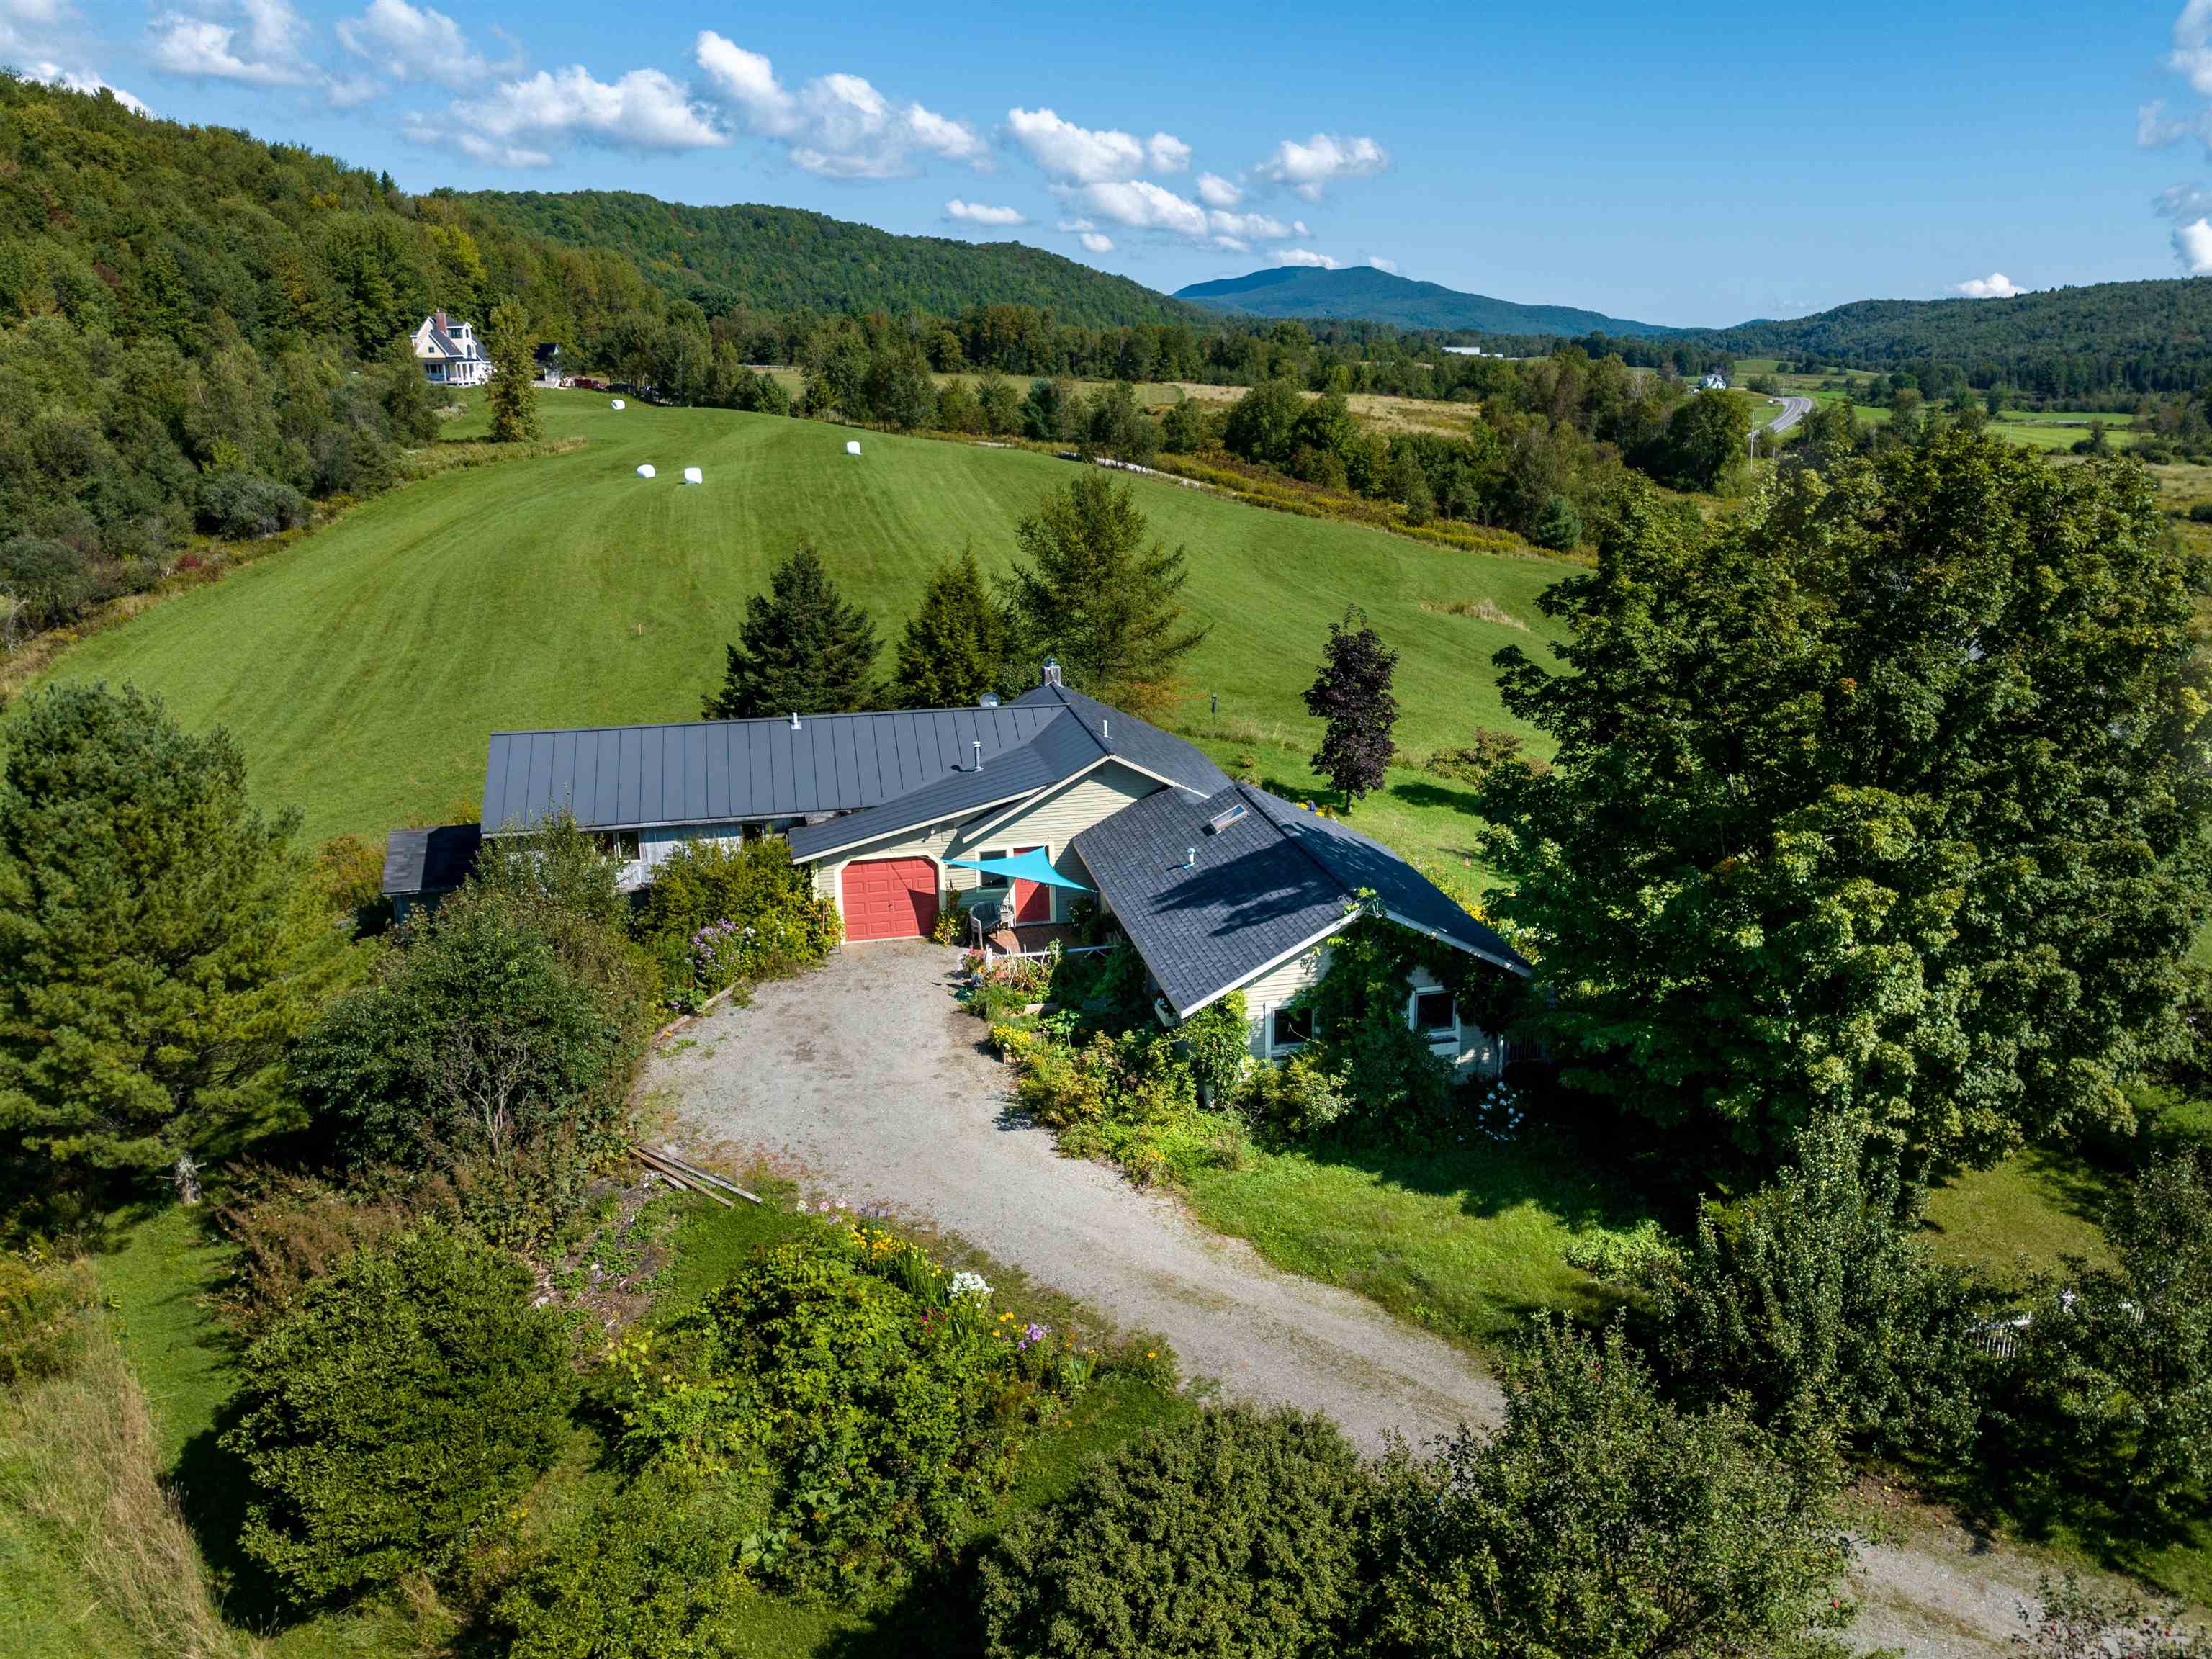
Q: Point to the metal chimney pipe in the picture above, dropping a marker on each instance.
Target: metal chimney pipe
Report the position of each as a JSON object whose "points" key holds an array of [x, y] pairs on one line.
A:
{"points": [[978, 744], [794, 720], [1190, 857], [1105, 729]]}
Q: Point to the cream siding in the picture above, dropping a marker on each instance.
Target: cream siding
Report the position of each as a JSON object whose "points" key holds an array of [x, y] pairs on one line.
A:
{"points": [[1051, 821], [1278, 985]]}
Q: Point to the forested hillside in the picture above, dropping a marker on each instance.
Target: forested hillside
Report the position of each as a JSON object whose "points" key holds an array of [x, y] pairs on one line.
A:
{"points": [[1382, 297], [783, 258], [2059, 345]]}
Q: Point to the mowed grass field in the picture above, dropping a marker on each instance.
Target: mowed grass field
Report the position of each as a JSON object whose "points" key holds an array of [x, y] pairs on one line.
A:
{"points": [[364, 668]]}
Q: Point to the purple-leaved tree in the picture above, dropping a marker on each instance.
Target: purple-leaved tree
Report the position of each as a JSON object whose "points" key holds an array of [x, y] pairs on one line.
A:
{"points": [[1353, 693]]}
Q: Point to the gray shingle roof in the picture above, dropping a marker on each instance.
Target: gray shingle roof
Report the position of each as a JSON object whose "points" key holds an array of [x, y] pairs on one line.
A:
{"points": [[1274, 879], [632, 777], [430, 861]]}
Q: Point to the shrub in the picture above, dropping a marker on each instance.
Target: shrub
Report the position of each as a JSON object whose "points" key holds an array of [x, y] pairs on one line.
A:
{"points": [[745, 912], [1218, 1041], [1602, 1522], [1814, 1303], [245, 505], [1231, 1533], [885, 1400], [2200, 513], [44, 1305], [656, 1570], [388, 1420], [1558, 526], [479, 1035], [1472, 762], [1297, 1100], [289, 1230]]}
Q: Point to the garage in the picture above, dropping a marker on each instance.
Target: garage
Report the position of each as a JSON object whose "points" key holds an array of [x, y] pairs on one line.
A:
{"points": [[890, 898]]}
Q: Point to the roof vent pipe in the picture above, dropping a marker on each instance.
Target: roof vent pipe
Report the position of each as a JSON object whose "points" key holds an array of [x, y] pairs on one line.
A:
{"points": [[1051, 670], [977, 743], [1105, 729], [794, 720], [1190, 857]]}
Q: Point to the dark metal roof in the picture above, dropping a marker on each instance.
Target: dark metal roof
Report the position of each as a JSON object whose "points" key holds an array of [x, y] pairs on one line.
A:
{"points": [[430, 861], [632, 777], [1134, 740], [1261, 886]]}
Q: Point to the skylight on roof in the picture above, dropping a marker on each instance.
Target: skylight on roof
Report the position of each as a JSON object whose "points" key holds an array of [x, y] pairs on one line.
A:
{"points": [[1222, 820]]}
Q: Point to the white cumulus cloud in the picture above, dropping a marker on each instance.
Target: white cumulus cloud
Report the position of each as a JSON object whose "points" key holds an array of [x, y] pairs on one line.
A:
{"points": [[1141, 204], [1253, 227], [1305, 256], [2192, 45], [1995, 286], [522, 121], [1217, 192], [416, 43], [2192, 246], [1078, 154], [1097, 242], [1168, 153], [1322, 161], [1381, 264], [837, 125], [975, 213], [83, 81], [262, 43]]}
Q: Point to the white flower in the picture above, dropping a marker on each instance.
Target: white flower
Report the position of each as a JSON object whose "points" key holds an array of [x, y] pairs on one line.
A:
{"points": [[969, 1287]]}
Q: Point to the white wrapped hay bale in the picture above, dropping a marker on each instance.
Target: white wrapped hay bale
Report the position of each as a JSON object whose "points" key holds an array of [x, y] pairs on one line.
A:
{"points": [[852, 446], [645, 470], [693, 475], [617, 403]]}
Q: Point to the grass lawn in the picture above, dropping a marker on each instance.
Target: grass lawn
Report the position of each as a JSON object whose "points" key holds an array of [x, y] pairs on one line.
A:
{"points": [[1464, 1240], [364, 668], [2021, 1217]]}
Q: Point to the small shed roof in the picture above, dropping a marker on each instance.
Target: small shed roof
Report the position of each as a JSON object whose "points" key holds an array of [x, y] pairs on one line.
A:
{"points": [[432, 860]]}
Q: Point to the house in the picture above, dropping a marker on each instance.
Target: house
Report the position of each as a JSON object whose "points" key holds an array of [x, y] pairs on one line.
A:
{"points": [[545, 357], [1716, 382], [1218, 886], [421, 866], [449, 352]]}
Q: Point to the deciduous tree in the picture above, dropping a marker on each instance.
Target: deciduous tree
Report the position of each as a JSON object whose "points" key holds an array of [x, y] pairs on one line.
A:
{"points": [[1353, 693], [1889, 797], [513, 392]]}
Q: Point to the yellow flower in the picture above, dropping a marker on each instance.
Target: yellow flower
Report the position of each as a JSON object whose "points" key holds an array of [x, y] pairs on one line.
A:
{"points": [[1151, 1354]]}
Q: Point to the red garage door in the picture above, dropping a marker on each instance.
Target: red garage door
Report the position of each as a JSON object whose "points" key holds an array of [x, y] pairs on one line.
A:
{"points": [[890, 898]]}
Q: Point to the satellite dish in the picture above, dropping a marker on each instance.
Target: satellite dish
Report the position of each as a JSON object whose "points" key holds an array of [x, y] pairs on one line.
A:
{"points": [[693, 475], [852, 446], [618, 404], [644, 471]]}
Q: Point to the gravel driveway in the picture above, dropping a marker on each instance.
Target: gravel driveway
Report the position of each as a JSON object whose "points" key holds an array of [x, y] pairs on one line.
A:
{"points": [[867, 1080], [869, 1083]]}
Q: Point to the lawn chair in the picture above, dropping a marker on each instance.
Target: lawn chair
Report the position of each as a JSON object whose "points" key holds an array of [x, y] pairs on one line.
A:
{"points": [[985, 918]]}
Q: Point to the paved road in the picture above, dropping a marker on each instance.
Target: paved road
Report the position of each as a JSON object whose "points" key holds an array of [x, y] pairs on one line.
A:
{"points": [[867, 1083], [1794, 409]]}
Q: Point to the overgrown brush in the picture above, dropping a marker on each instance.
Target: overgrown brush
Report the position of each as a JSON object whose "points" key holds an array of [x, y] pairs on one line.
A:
{"points": [[79, 1459]]}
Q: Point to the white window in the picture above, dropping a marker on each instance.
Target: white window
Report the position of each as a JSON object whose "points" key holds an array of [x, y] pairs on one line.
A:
{"points": [[1433, 1013], [1289, 1028], [620, 844], [991, 881]]}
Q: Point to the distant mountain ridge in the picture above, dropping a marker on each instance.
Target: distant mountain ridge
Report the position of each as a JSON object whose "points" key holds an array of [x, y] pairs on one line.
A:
{"points": [[781, 258], [1374, 295]]}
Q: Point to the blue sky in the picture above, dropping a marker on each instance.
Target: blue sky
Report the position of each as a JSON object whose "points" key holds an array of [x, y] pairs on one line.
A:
{"points": [[1687, 162]]}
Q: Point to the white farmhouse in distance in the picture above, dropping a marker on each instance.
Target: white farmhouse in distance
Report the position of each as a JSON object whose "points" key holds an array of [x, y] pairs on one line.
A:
{"points": [[1715, 381], [449, 352]]}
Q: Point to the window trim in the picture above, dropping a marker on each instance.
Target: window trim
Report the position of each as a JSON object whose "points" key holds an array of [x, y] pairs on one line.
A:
{"points": [[990, 882], [1276, 1045], [1435, 1033]]}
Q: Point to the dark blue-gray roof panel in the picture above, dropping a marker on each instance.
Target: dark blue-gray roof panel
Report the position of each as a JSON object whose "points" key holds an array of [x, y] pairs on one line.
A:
{"points": [[632, 777]]}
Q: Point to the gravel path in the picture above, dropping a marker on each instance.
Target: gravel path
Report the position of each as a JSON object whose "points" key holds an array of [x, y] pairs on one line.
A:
{"points": [[867, 1082]]}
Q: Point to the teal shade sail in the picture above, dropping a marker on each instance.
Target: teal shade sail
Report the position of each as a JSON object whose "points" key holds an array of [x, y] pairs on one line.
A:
{"points": [[1032, 866]]}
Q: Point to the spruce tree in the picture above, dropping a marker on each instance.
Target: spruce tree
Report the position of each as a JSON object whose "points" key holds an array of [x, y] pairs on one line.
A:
{"points": [[1353, 693], [1094, 595], [956, 647], [513, 390], [407, 400], [803, 649], [156, 954]]}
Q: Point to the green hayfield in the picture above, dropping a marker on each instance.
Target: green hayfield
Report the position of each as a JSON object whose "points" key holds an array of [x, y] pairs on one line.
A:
{"points": [[364, 668]]}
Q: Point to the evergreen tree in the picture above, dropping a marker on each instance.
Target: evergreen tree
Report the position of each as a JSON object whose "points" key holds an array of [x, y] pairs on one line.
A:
{"points": [[1094, 595], [157, 946], [803, 649], [514, 390], [956, 647], [1353, 693], [1889, 798], [408, 403]]}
